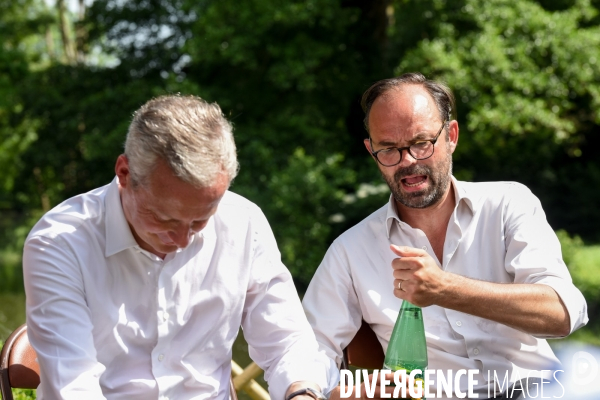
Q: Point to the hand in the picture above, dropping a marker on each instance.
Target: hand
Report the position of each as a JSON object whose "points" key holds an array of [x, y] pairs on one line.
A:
{"points": [[372, 389], [301, 385], [417, 277]]}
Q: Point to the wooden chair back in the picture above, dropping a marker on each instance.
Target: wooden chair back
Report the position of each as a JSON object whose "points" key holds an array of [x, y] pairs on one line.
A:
{"points": [[18, 364], [364, 351]]}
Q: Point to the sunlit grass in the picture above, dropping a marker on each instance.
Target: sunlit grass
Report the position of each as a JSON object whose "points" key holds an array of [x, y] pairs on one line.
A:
{"points": [[11, 274], [586, 270], [12, 312]]}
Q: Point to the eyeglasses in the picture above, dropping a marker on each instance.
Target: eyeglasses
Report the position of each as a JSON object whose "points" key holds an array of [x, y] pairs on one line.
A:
{"points": [[420, 150]]}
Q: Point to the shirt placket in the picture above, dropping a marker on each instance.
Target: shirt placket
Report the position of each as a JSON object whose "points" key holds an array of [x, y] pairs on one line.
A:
{"points": [[417, 239], [461, 322], [453, 237], [160, 352]]}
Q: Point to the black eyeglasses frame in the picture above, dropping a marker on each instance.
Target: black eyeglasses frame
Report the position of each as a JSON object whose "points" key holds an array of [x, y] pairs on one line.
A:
{"points": [[407, 148]]}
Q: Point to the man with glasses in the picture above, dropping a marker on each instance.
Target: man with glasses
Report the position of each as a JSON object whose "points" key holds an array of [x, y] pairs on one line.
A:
{"points": [[480, 258]]}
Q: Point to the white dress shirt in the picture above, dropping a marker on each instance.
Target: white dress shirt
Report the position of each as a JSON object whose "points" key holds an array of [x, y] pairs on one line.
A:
{"points": [[111, 320], [498, 233]]}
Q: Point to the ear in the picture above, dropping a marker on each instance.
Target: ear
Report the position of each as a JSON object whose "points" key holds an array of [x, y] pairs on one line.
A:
{"points": [[122, 171], [367, 143], [452, 135]]}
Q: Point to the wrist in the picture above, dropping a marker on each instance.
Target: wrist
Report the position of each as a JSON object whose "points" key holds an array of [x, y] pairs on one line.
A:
{"points": [[306, 392]]}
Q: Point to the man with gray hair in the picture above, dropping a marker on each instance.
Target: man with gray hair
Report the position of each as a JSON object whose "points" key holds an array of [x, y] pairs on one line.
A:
{"points": [[480, 258], [137, 290]]}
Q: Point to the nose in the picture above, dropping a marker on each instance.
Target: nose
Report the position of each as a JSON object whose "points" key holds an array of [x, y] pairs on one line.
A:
{"points": [[181, 237], [407, 159]]}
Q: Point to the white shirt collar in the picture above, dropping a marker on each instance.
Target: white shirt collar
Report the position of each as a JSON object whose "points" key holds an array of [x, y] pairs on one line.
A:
{"points": [[118, 233], [460, 194]]}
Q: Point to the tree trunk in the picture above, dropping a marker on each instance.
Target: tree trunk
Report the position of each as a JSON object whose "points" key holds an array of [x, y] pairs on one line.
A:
{"points": [[81, 33], [68, 45], [50, 43]]}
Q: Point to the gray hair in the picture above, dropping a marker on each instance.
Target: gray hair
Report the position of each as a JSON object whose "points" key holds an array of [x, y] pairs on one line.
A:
{"points": [[442, 95], [192, 136]]}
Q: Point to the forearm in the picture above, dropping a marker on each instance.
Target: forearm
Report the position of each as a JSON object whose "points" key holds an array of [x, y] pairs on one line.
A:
{"points": [[533, 308], [376, 391], [335, 394]]}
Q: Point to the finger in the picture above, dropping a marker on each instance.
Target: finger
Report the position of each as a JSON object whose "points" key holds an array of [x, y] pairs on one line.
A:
{"points": [[403, 274], [408, 263], [402, 286], [391, 386], [405, 264], [379, 390], [398, 284], [389, 390], [390, 376], [405, 251]]}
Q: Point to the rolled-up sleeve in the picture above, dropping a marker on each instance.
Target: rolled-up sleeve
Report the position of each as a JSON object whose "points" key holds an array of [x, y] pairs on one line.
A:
{"points": [[533, 254]]}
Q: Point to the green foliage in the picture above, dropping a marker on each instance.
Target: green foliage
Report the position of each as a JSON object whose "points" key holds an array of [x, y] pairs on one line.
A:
{"points": [[527, 84], [17, 129], [24, 394], [12, 313], [584, 266], [289, 75], [585, 271], [570, 246], [306, 187]]}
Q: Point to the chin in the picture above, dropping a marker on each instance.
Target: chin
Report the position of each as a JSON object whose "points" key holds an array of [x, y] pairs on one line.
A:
{"points": [[166, 248], [158, 246]]}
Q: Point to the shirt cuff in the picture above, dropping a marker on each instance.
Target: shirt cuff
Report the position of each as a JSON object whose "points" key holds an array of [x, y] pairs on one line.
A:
{"points": [[572, 299]]}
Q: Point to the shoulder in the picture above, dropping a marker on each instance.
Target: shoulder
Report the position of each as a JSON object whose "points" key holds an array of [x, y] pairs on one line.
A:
{"points": [[235, 212], [70, 215], [497, 194], [232, 201], [373, 226], [493, 189], [234, 206]]}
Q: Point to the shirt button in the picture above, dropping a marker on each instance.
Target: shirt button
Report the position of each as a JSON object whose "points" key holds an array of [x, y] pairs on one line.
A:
{"points": [[476, 351], [161, 357], [424, 248], [458, 323], [165, 316]]}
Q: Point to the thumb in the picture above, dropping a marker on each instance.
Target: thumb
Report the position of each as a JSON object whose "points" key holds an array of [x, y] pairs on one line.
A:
{"points": [[405, 251]]}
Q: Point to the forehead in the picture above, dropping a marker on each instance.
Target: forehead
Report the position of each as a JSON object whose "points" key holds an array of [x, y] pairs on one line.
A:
{"points": [[409, 109], [166, 194]]}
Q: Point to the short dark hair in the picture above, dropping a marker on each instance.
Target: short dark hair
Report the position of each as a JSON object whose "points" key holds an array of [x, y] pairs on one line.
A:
{"points": [[442, 95]]}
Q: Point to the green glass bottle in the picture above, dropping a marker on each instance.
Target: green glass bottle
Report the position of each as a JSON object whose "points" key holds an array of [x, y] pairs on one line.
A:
{"points": [[407, 349]]}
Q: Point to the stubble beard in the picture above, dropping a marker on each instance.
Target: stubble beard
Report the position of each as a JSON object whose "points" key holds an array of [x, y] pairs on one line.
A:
{"points": [[439, 181]]}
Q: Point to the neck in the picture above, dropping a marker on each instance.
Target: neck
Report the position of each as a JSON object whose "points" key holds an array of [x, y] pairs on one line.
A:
{"points": [[432, 218], [145, 245]]}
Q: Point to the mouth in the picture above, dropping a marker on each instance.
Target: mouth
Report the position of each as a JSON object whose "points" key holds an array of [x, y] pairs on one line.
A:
{"points": [[414, 181]]}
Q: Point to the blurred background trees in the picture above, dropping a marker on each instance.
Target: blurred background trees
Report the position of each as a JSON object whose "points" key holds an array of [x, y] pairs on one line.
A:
{"points": [[289, 74]]}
